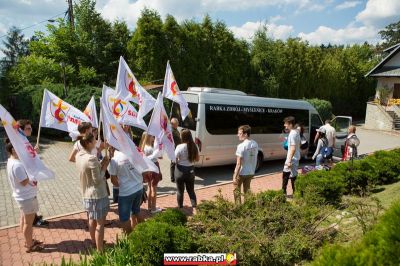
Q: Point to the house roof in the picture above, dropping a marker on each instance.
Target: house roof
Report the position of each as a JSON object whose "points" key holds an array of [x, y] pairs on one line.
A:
{"points": [[387, 72], [380, 69], [391, 48]]}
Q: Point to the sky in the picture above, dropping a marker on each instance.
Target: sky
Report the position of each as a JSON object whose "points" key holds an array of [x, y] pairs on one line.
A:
{"points": [[316, 21]]}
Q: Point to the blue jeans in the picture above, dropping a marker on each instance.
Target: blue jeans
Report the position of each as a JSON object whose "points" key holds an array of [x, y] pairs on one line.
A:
{"points": [[129, 205], [319, 160]]}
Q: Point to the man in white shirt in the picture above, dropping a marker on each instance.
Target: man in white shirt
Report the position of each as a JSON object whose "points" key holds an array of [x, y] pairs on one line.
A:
{"points": [[246, 163], [293, 154], [330, 134], [130, 183]]}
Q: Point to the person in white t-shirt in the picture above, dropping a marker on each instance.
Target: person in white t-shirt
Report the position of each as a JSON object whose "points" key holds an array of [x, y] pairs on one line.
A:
{"points": [[26, 126], [246, 163], [130, 183], [24, 193], [293, 155], [330, 134], [152, 178], [186, 155]]}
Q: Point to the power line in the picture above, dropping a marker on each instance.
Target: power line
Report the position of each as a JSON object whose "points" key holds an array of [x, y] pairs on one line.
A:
{"points": [[65, 12]]}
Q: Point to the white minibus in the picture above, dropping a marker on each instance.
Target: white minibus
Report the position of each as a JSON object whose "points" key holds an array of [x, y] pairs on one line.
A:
{"points": [[216, 115]]}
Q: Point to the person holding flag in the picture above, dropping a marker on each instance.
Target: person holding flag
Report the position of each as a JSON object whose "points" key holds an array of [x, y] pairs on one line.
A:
{"points": [[24, 193], [93, 188], [152, 150], [172, 92], [24, 169], [26, 126]]}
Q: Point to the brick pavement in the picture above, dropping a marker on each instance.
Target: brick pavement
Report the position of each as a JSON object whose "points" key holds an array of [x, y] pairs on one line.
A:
{"points": [[66, 236]]}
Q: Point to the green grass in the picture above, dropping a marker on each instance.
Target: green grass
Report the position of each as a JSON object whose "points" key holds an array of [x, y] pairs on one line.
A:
{"points": [[349, 228], [390, 194]]}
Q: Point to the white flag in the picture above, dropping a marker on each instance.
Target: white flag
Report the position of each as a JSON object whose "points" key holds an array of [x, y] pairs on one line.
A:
{"points": [[160, 127], [91, 112], [116, 137], [172, 92], [34, 167], [129, 89], [60, 115], [122, 110]]}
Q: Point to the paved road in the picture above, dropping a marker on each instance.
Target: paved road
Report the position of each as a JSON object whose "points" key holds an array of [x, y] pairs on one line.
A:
{"points": [[62, 195]]}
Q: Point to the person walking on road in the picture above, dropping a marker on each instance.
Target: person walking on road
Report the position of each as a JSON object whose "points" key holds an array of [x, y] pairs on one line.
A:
{"points": [[293, 154], [246, 163], [177, 141], [186, 155], [24, 193], [93, 188]]}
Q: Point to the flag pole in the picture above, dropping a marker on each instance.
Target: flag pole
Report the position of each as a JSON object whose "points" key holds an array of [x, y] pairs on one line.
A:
{"points": [[152, 114], [172, 107], [40, 121]]}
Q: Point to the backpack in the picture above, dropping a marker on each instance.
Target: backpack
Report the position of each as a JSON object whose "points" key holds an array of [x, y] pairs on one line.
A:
{"points": [[326, 152], [285, 144], [303, 143]]}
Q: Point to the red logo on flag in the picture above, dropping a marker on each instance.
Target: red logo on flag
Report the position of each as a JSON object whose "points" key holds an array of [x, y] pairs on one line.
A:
{"points": [[174, 88], [59, 113], [30, 149], [131, 85]]}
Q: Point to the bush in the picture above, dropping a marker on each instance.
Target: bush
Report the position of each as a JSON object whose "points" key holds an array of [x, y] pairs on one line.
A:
{"points": [[265, 230], [172, 217], [386, 165], [150, 240], [358, 176], [320, 187], [323, 107], [380, 246]]}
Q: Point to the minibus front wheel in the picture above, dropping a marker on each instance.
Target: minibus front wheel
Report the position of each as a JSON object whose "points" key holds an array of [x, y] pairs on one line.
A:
{"points": [[260, 159]]}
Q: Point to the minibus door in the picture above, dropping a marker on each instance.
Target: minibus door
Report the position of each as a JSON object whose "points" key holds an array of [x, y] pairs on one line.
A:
{"points": [[341, 125]]}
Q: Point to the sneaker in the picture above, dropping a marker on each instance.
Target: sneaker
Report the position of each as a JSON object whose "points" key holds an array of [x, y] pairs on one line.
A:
{"points": [[41, 222], [157, 210]]}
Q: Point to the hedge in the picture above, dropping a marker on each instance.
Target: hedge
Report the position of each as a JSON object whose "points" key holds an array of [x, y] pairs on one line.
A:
{"points": [[323, 107], [356, 177]]}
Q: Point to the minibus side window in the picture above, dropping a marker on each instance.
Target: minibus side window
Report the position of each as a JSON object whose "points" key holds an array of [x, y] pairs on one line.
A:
{"points": [[225, 119], [190, 120], [316, 123]]}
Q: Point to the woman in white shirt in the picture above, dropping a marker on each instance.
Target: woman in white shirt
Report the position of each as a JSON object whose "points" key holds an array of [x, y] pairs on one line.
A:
{"points": [[152, 178], [186, 155], [24, 193]]}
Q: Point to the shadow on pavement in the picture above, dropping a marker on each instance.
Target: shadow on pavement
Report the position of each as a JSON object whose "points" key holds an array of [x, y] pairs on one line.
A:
{"points": [[70, 247]]}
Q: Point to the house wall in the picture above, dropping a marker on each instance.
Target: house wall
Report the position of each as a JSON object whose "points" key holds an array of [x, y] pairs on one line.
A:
{"points": [[377, 118], [394, 61], [387, 83]]}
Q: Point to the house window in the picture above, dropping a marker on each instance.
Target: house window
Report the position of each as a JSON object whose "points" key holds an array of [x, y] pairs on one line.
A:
{"points": [[396, 91]]}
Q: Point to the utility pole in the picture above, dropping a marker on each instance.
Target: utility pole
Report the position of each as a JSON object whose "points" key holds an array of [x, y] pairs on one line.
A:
{"points": [[62, 64], [71, 14]]}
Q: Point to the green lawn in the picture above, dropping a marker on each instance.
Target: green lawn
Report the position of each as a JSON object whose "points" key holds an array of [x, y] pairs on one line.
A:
{"points": [[390, 194]]}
